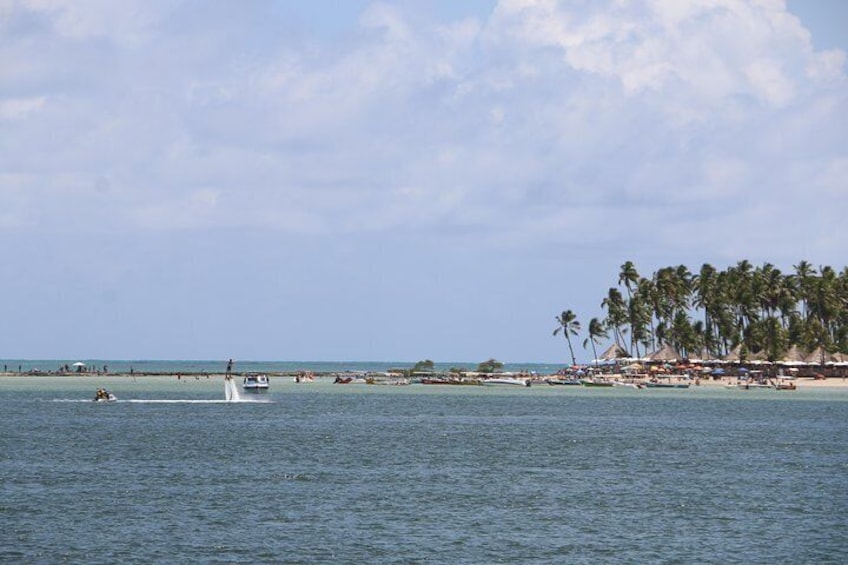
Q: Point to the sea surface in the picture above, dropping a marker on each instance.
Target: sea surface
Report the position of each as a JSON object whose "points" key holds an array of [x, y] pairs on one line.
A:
{"points": [[219, 366], [324, 473]]}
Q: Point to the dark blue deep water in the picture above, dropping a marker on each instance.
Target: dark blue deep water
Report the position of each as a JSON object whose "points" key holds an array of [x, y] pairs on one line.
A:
{"points": [[328, 473]]}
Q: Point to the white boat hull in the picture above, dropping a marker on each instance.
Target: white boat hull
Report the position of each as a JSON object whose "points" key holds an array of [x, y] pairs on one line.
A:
{"points": [[498, 382], [255, 383]]}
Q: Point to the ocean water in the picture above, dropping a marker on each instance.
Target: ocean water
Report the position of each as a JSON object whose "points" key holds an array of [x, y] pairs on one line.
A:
{"points": [[219, 366], [324, 473]]}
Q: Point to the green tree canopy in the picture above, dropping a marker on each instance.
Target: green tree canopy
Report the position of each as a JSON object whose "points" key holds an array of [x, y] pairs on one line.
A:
{"points": [[489, 366]]}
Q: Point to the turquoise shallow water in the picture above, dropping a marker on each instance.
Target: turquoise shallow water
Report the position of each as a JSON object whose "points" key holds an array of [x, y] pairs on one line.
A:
{"points": [[326, 473]]}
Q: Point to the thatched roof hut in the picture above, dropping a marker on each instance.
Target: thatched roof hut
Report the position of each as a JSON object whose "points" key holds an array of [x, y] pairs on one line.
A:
{"points": [[735, 354], [794, 356], [665, 353], [839, 358], [760, 355], [614, 352], [817, 356]]}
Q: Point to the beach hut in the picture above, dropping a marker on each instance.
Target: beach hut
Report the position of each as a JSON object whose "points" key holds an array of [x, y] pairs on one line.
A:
{"points": [[614, 352], [838, 359], [794, 356], [817, 356], [735, 355], [757, 358], [665, 354]]}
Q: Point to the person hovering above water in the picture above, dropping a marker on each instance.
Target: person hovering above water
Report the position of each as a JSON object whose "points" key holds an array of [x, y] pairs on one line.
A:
{"points": [[229, 375]]}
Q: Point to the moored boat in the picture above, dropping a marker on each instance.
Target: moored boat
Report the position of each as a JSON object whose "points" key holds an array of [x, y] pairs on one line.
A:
{"points": [[505, 381], [785, 383], [255, 382], [563, 382], [749, 386], [666, 385], [304, 377], [596, 382]]}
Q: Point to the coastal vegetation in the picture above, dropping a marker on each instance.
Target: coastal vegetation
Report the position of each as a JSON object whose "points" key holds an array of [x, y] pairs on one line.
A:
{"points": [[751, 312], [489, 366], [425, 365]]}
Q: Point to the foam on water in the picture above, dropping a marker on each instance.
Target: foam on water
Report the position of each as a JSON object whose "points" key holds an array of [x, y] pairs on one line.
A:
{"points": [[231, 393]]}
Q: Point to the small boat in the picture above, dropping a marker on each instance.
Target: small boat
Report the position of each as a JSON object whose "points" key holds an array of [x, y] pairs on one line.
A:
{"points": [[451, 380], [784, 383], [505, 381], [393, 381], [304, 377], [350, 380], [255, 382], [435, 381], [666, 385], [627, 384], [597, 382], [748, 386], [104, 395], [564, 382]]}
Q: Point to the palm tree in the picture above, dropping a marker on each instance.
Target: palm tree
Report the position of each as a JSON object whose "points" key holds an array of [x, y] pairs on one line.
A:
{"points": [[616, 314], [648, 293], [804, 274], [639, 316], [760, 310], [629, 276], [705, 289], [596, 332], [570, 327]]}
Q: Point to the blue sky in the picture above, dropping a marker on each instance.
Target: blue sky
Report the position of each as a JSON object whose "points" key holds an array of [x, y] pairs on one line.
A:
{"points": [[398, 180]]}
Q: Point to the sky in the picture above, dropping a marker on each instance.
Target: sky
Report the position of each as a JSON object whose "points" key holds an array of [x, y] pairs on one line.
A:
{"points": [[407, 180]]}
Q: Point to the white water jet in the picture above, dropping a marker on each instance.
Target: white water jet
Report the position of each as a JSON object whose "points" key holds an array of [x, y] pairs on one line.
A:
{"points": [[231, 393]]}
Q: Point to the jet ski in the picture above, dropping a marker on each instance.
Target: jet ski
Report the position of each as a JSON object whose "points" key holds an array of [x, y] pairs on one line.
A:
{"points": [[104, 395]]}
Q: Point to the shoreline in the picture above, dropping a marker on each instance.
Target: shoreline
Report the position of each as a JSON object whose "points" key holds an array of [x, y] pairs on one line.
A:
{"points": [[801, 382]]}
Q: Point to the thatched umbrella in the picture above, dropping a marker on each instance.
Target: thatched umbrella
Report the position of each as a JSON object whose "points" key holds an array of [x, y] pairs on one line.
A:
{"points": [[665, 353], [735, 355], [614, 352], [760, 355], [838, 358], [793, 357], [817, 356]]}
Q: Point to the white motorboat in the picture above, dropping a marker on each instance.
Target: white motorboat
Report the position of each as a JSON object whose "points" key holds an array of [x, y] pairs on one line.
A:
{"points": [[505, 381], [255, 382], [748, 386]]}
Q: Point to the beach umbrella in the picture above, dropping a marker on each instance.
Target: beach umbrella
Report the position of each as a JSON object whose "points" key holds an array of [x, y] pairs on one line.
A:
{"points": [[718, 371], [79, 364]]}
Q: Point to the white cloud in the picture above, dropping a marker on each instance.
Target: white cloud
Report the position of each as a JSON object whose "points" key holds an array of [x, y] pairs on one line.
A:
{"points": [[20, 108], [531, 117], [126, 23]]}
